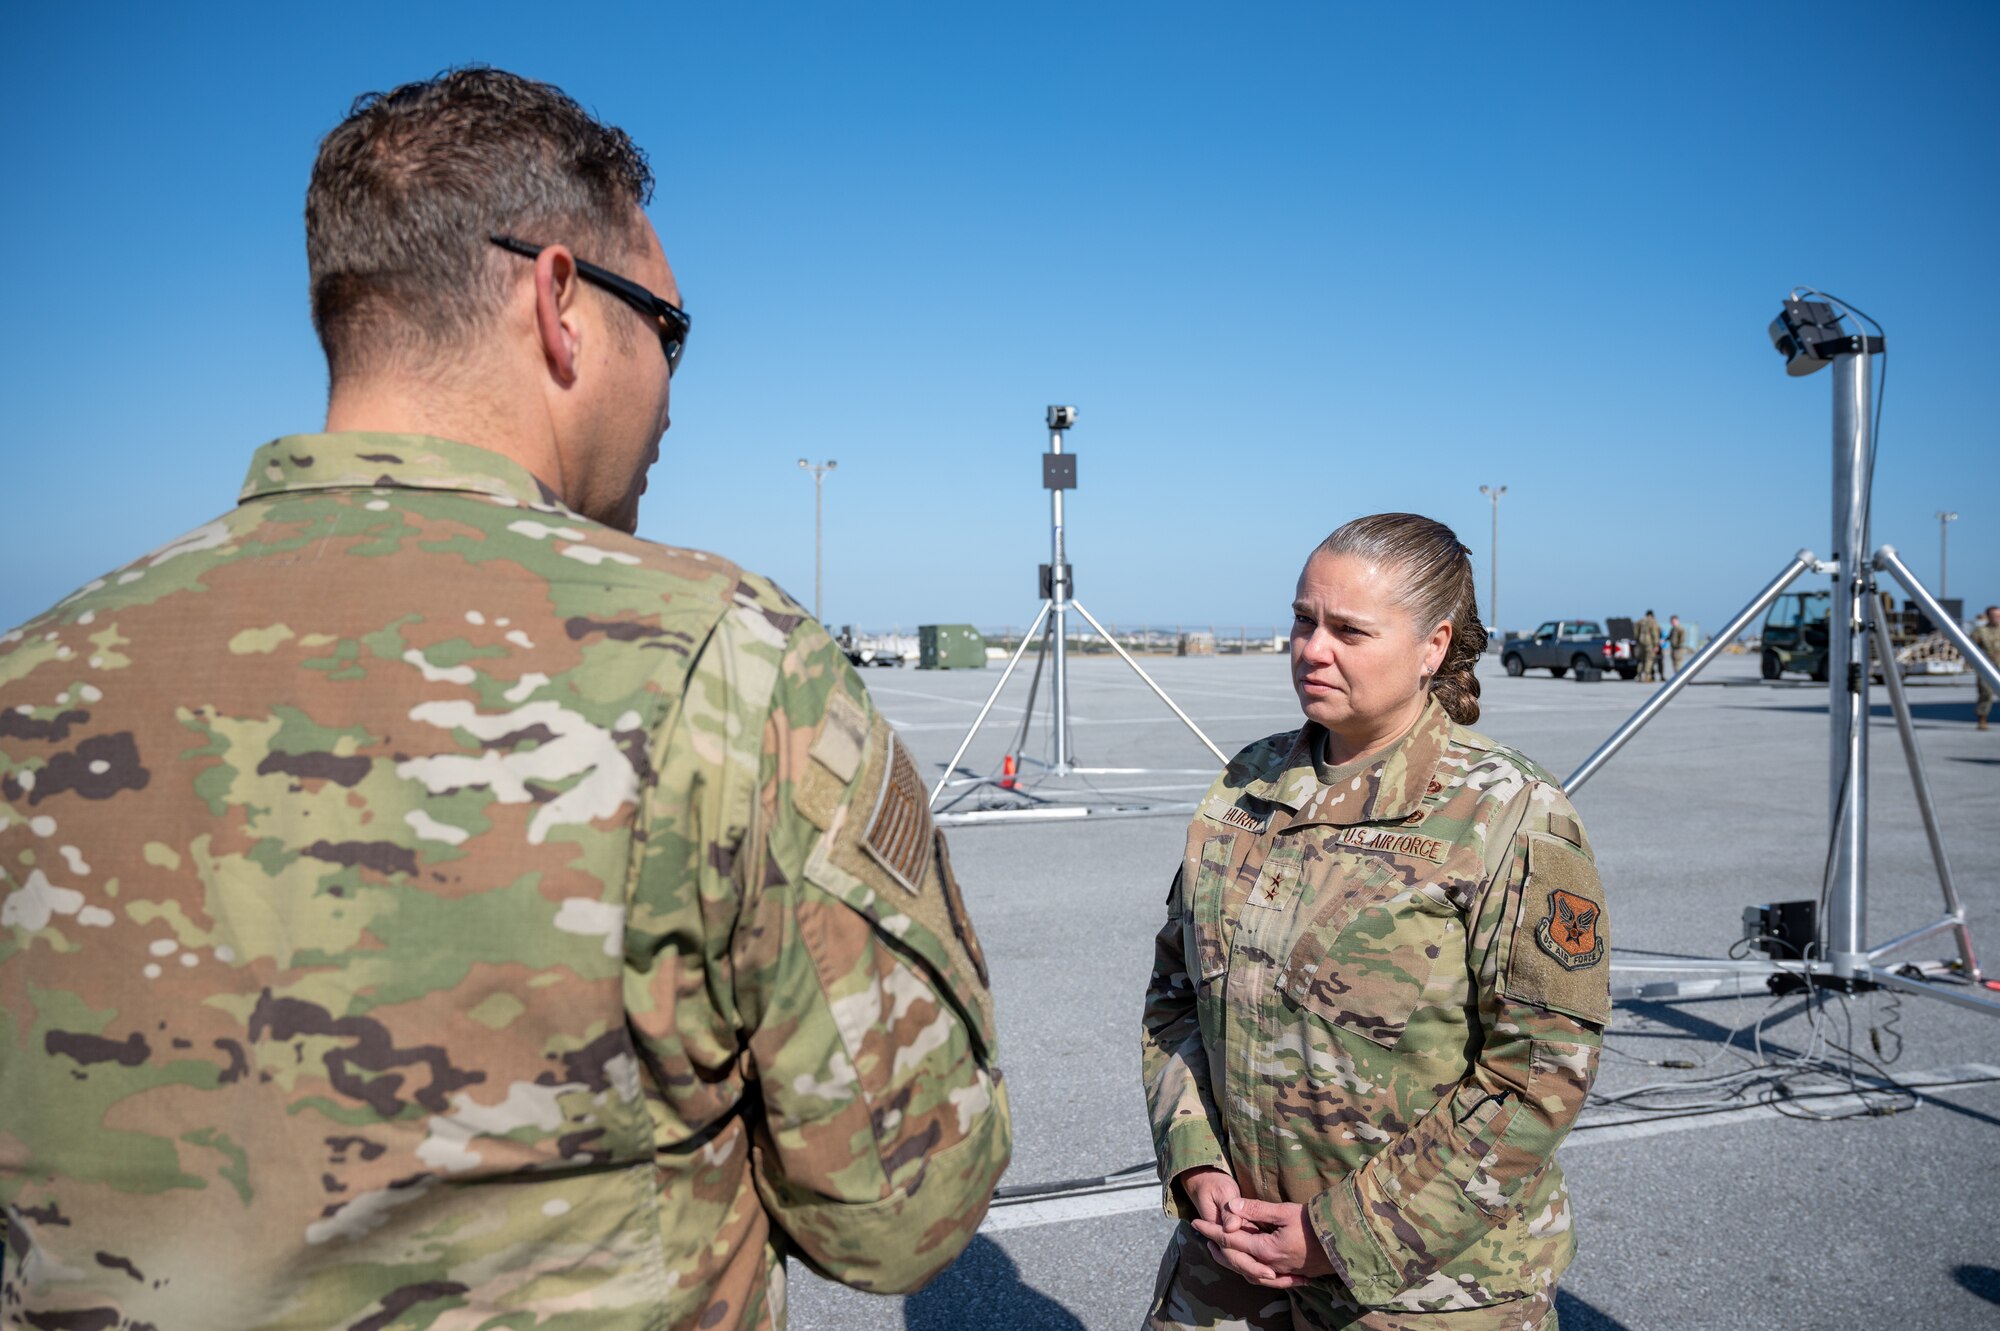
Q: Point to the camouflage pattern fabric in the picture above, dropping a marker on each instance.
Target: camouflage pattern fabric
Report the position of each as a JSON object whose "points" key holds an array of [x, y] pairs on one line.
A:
{"points": [[1650, 664], [1380, 994], [423, 907], [1677, 647], [1986, 637], [1194, 1289]]}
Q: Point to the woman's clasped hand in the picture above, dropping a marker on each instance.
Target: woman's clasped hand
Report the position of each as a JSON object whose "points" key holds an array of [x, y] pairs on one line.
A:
{"points": [[1267, 1243]]}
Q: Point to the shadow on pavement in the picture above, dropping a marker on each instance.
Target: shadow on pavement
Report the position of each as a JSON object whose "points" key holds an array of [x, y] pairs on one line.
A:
{"points": [[983, 1291], [1981, 1280], [1573, 1314]]}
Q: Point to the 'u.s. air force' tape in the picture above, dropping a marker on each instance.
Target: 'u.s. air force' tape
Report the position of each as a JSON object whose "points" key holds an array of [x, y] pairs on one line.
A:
{"points": [[1393, 841]]}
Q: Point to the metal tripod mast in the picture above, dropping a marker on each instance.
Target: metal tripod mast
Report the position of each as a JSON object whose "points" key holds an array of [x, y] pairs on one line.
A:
{"points": [[1058, 599], [1058, 477], [1809, 336], [1847, 666]]}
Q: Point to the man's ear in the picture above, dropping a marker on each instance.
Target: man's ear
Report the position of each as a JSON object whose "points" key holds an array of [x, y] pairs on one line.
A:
{"points": [[556, 284]]}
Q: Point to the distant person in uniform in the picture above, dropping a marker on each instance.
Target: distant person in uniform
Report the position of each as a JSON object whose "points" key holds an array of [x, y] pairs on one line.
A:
{"points": [[1677, 642], [1986, 637], [422, 902], [1378, 999], [1649, 648]]}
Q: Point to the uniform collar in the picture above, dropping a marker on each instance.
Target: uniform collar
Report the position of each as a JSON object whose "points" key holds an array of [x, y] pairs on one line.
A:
{"points": [[1393, 786], [360, 460]]}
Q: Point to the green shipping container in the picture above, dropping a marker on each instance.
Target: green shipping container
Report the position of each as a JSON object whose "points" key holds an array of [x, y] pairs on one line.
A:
{"points": [[950, 647]]}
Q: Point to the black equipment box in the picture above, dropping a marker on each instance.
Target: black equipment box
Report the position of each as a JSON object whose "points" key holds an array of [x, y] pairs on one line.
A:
{"points": [[1783, 930]]}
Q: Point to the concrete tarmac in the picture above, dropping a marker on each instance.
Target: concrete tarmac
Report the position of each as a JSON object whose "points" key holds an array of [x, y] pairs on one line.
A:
{"points": [[1758, 1219]]}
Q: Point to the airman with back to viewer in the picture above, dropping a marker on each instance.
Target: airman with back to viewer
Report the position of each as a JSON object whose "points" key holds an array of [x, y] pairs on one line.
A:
{"points": [[469, 913], [1649, 648]]}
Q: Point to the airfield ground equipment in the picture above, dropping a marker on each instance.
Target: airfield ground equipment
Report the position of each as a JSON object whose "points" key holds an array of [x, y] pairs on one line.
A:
{"points": [[1831, 949], [1049, 792], [950, 647]]}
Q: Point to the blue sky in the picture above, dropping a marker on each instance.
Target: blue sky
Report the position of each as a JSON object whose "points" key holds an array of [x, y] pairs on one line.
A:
{"points": [[1293, 262]]}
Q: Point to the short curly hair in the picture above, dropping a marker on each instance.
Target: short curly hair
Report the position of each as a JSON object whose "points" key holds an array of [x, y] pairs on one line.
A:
{"points": [[407, 188]]}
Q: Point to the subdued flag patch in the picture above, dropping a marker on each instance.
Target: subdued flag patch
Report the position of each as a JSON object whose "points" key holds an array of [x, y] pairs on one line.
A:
{"points": [[900, 831]]}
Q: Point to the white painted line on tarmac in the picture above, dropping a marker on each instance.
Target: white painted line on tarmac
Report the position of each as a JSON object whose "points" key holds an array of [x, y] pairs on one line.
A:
{"points": [[1143, 1194], [971, 703]]}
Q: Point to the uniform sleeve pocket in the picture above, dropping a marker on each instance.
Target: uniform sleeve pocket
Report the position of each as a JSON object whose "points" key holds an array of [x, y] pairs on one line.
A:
{"points": [[882, 856], [1206, 909], [1556, 958]]}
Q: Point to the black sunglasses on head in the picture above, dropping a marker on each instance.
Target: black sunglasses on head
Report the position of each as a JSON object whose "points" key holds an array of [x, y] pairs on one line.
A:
{"points": [[672, 321]]}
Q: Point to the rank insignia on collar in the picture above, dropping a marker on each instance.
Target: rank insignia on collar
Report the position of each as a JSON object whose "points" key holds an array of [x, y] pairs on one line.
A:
{"points": [[1236, 817], [1568, 932]]}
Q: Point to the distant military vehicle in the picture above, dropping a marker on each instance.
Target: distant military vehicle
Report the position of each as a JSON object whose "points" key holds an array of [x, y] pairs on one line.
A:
{"points": [[875, 649], [1795, 638], [1563, 645]]}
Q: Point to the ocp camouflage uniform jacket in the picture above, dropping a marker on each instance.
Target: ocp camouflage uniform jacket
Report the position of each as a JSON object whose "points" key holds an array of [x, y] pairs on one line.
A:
{"points": [[1383, 1000], [421, 906]]}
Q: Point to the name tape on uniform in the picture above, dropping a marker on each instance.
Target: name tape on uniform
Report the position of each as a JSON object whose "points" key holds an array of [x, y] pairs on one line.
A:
{"points": [[1249, 822]]}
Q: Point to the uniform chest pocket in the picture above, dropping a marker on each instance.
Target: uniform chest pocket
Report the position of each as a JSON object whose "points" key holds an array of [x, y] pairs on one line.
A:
{"points": [[1368, 960]]}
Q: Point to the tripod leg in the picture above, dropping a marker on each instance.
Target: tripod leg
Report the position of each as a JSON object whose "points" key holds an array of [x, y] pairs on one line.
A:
{"points": [[1801, 563], [980, 720], [1887, 560], [1034, 684], [1900, 703], [1185, 719]]}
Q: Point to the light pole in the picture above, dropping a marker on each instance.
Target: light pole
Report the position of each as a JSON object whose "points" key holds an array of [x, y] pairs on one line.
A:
{"points": [[819, 471], [1943, 582], [1494, 492]]}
